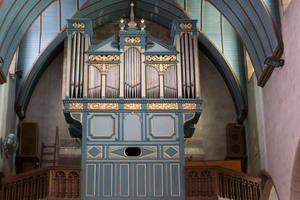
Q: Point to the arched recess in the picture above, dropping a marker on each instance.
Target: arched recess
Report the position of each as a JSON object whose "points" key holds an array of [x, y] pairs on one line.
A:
{"points": [[116, 11], [295, 185]]}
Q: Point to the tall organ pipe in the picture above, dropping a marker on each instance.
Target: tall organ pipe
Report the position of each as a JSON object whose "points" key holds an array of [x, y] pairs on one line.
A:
{"points": [[77, 66], [132, 73], [191, 50], [73, 61]]}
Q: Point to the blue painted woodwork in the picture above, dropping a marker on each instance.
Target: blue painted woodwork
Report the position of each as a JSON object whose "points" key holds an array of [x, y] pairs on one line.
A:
{"points": [[111, 126], [109, 174]]}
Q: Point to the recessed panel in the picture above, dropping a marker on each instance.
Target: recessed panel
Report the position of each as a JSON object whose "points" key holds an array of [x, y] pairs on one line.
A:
{"points": [[132, 127], [162, 126], [102, 126]]}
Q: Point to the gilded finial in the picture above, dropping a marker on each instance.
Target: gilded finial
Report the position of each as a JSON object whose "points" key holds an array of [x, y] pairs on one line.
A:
{"points": [[132, 22], [142, 25]]}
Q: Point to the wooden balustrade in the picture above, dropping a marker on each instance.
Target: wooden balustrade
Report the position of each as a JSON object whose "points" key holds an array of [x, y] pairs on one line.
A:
{"points": [[213, 183], [44, 183], [62, 183]]}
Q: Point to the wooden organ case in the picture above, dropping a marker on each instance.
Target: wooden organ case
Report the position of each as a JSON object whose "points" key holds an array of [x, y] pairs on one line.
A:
{"points": [[128, 98]]}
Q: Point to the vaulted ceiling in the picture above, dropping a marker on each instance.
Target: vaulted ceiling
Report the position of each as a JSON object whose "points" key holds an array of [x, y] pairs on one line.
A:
{"points": [[225, 26]]}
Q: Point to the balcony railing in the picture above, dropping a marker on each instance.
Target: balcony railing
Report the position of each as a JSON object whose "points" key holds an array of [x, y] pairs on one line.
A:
{"points": [[213, 183], [62, 183], [45, 183]]}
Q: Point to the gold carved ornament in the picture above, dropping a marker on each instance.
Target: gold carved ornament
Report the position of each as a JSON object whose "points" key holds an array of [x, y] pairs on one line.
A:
{"points": [[132, 106], [104, 68], [186, 26], [104, 58], [78, 25], [162, 106], [102, 106], [189, 106], [132, 39], [75, 106], [161, 58], [161, 68]]}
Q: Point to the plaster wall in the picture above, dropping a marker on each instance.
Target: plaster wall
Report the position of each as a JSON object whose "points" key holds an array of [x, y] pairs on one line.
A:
{"points": [[45, 106], [218, 111], [281, 106], [8, 117]]}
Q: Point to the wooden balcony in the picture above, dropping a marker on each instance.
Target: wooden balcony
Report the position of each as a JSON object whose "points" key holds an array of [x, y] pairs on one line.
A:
{"points": [[63, 183], [214, 183], [49, 183]]}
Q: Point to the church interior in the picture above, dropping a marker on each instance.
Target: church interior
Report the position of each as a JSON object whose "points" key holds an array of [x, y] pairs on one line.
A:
{"points": [[149, 99]]}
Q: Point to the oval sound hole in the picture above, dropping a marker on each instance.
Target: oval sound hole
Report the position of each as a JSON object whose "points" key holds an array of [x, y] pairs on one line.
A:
{"points": [[133, 151]]}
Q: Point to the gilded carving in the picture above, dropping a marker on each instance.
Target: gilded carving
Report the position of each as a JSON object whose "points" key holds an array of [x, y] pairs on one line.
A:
{"points": [[186, 26], [161, 58], [104, 68], [189, 106], [132, 106], [102, 106], [162, 106], [132, 39], [161, 68], [75, 106], [78, 25], [104, 58]]}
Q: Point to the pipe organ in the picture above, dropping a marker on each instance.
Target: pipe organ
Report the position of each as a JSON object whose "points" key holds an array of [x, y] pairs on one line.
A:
{"points": [[132, 97]]}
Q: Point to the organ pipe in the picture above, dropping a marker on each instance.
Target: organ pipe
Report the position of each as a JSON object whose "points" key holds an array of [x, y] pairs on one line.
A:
{"points": [[132, 73]]}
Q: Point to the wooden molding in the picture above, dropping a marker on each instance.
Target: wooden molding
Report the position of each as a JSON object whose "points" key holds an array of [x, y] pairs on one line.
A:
{"points": [[2, 77]]}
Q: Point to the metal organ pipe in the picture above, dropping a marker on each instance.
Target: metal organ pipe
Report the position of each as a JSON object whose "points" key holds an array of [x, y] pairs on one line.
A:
{"points": [[192, 66], [187, 61], [73, 63], [77, 66], [132, 73]]}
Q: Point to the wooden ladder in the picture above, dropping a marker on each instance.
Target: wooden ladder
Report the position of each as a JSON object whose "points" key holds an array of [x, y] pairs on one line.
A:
{"points": [[48, 152]]}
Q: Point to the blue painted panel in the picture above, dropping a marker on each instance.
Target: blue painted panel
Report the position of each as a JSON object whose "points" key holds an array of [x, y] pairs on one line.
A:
{"points": [[68, 9], [211, 23], [141, 180], [250, 29], [22, 30], [175, 179], [233, 51], [29, 48], [181, 2], [102, 126], [107, 180], [267, 23], [194, 10], [158, 190], [132, 127], [246, 5], [90, 180], [238, 26], [124, 180], [50, 24], [273, 8], [4, 10], [162, 126], [9, 19], [81, 2], [100, 8]]}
